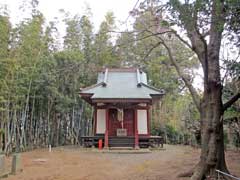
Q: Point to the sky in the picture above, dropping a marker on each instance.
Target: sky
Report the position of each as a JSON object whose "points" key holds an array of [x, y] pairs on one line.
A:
{"points": [[50, 8]]}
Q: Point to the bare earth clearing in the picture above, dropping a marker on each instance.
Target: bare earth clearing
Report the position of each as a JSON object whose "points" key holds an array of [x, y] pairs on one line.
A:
{"points": [[77, 164]]}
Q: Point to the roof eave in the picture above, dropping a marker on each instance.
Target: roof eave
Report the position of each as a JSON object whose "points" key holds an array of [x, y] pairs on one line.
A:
{"points": [[160, 91], [87, 97], [109, 100], [91, 87]]}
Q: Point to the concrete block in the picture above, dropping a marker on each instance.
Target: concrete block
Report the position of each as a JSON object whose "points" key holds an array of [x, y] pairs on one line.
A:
{"points": [[16, 163], [2, 164]]}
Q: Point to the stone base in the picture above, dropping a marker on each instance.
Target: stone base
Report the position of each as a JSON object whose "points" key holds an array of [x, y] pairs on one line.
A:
{"points": [[105, 148], [136, 147]]}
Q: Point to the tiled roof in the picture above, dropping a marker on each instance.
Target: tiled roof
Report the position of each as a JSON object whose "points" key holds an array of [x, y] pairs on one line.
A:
{"points": [[121, 84]]}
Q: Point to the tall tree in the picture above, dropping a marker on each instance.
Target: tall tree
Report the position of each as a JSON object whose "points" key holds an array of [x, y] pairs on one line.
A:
{"points": [[87, 38], [204, 23], [5, 29], [72, 39], [103, 44], [139, 48]]}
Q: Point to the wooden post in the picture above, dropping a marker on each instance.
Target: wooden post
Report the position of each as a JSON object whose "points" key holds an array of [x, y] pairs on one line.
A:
{"points": [[148, 122], [136, 130], [106, 130], [95, 121]]}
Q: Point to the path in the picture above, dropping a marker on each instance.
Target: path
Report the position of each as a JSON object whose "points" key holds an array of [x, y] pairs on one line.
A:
{"points": [[76, 164]]}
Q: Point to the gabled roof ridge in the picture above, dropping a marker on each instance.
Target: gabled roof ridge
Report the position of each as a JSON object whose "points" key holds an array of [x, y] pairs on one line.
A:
{"points": [[105, 77], [118, 69]]}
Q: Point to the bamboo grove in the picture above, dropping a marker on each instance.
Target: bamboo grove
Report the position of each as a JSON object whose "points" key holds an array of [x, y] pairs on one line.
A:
{"points": [[41, 74]]}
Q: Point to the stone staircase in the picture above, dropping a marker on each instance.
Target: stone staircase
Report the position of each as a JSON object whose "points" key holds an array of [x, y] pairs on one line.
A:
{"points": [[121, 142]]}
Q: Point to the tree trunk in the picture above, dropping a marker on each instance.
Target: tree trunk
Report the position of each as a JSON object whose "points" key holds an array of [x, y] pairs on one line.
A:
{"points": [[212, 141], [49, 106], [211, 116]]}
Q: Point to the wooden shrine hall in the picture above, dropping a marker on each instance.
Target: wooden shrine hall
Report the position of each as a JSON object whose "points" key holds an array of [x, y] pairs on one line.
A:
{"points": [[121, 100]]}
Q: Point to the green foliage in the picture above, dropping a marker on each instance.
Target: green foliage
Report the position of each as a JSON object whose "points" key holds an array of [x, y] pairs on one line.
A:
{"points": [[2, 131], [4, 52], [40, 80], [157, 130], [236, 140], [103, 46], [161, 75], [177, 109], [72, 40], [231, 88], [231, 113], [173, 135], [5, 36]]}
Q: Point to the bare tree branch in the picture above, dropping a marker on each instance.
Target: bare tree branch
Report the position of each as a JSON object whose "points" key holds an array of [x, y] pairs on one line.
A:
{"points": [[142, 38], [181, 39], [231, 101], [192, 90], [225, 68], [150, 50]]}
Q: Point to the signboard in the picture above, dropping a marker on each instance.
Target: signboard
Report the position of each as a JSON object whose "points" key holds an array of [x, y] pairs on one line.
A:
{"points": [[121, 132]]}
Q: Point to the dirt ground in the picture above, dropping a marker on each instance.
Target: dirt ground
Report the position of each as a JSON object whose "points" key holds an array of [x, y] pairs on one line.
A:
{"points": [[78, 164]]}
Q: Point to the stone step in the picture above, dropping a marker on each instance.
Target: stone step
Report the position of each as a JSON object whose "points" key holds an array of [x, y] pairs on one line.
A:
{"points": [[121, 148], [120, 140]]}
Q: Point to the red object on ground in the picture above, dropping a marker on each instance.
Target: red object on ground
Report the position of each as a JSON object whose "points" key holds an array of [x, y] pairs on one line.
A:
{"points": [[100, 142]]}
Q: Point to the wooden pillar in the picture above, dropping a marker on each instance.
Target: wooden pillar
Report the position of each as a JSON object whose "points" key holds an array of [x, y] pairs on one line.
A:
{"points": [[106, 130], [136, 130], [148, 121], [95, 121]]}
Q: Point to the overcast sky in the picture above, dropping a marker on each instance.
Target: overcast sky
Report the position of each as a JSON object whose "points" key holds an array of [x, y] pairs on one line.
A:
{"points": [[50, 8]]}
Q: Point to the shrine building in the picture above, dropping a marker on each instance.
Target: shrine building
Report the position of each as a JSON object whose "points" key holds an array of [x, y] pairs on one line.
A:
{"points": [[121, 99]]}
